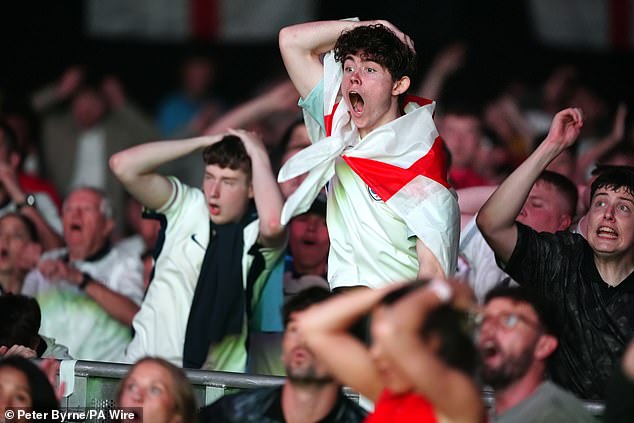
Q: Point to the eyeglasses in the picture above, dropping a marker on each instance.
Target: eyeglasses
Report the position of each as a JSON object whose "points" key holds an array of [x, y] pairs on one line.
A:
{"points": [[505, 320]]}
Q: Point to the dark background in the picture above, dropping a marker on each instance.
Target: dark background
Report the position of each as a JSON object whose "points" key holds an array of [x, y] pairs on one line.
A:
{"points": [[41, 39]]}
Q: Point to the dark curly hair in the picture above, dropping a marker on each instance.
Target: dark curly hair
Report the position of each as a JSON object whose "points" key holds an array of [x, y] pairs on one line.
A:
{"points": [[228, 152], [378, 44]]}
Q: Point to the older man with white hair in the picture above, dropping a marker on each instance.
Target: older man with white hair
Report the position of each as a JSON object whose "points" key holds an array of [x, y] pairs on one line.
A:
{"points": [[88, 291]]}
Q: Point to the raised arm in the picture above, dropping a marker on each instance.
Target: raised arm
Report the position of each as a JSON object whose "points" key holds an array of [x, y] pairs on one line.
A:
{"points": [[301, 46], [136, 167], [397, 332], [496, 219], [281, 97], [266, 192], [324, 328]]}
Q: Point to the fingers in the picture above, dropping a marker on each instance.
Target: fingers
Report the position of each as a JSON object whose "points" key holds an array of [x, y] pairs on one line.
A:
{"points": [[22, 351]]}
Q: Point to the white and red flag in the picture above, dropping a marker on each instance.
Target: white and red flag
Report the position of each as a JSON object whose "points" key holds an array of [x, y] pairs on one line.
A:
{"points": [[403, 162]]}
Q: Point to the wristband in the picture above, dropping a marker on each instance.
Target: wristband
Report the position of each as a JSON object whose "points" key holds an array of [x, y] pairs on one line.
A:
{"points": [[85, 280], [442, 289]]}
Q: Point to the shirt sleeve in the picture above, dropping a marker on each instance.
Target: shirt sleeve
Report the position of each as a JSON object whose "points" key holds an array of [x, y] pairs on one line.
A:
{"points": [[540, 260], [313, 106]]}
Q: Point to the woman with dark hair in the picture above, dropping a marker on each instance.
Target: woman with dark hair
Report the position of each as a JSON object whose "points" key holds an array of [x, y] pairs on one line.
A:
{"points": [[161, 390], [422, 359], [23, 385]]}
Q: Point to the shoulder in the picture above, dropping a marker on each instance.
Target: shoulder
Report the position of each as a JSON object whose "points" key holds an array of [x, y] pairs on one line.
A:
{"points": [[242, 406]]}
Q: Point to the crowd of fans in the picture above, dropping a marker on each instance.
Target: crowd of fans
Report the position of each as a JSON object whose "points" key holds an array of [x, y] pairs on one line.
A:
{"points": [[169, 243]]}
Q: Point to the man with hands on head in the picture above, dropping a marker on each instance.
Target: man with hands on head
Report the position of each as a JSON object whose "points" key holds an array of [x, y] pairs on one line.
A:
{"points": [[218, 247], [590, 281], [420, 365], [382, 230]]}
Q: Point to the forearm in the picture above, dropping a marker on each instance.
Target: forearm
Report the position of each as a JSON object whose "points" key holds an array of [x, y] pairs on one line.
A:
{"points": [[116, 305], [496, 218], [302, 44], [145, 158], [339, 313], [49, 239], [241, 116], [268, 200]]}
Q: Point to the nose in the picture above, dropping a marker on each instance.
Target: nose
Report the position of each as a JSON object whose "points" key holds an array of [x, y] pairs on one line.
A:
{"points": [[215, 189], [609, 213], [355, 77]]}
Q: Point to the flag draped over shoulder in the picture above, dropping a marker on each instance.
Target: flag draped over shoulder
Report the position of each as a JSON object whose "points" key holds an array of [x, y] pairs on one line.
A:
{"points": [[403, 162]]}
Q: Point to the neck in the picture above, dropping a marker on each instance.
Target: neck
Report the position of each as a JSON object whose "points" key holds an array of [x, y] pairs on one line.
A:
{"points": [[11, 282], [308, 403], [518, 391], [614, 270], [318, 269]]}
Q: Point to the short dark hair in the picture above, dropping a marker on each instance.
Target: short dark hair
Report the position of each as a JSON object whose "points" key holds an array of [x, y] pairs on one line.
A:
{"points": [[565, 186], [302, 300], [457, 348], [20, 318], [42, 394], [28, 224], [614, 178], [378, 44], [545, 311], [228, 152]]}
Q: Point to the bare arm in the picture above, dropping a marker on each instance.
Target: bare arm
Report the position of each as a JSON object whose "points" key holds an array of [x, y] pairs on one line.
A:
{"points": [[135, 167], [471, 199], [428, 265], [301, 46], [324, 328], [49, 239], [397, 332], [496, 219], [281, 97], [445, 63], [266, 191], [604, 145]]}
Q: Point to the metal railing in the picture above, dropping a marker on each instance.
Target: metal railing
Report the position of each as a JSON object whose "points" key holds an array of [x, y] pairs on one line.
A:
{"points": [[95, 385]]}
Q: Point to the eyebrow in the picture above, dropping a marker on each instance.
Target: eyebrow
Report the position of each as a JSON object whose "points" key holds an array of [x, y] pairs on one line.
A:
{"points": [[605, 194]]}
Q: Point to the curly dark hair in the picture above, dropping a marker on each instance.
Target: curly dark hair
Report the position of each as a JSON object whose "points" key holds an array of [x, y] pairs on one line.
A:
{"points": [[378, 44]]}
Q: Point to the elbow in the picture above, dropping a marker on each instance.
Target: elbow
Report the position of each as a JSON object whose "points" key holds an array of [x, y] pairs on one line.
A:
{"points": [[284, 37], [118, 166], [484, 221]]}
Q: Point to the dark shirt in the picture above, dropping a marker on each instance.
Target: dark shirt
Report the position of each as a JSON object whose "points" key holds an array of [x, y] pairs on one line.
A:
{"points": [[619, 407], [595, 321], [264, 405]]}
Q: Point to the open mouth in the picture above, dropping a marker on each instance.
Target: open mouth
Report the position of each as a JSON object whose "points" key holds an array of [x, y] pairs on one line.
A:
{"points": [[308, 242], [4, 253], [214, 209], [489, 349], [606, 232], [356, 101]]}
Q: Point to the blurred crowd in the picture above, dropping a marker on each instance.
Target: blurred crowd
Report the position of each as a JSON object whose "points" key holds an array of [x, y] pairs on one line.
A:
{"points": [[91, 243]]}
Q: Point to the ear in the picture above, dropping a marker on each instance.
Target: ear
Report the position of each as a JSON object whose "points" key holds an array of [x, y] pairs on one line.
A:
{"points": [[109, 227], [250, 191], [400, 86], [546, 345], [564, 222]]}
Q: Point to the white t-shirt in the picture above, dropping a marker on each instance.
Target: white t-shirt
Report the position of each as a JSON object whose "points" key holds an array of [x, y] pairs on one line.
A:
{"points": [[483, 273], [161, 324], [76, 320]]}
